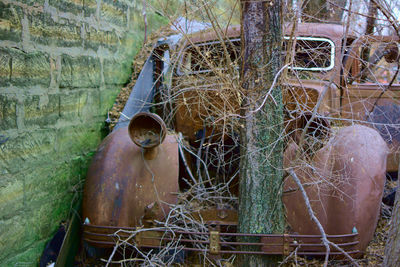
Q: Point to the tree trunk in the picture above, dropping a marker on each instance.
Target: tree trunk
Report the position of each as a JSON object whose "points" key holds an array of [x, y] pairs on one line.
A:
{"points": [[392, 250], [260, 207]]}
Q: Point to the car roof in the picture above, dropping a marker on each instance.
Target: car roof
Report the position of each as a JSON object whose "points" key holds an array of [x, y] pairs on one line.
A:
{"points": [[335, 32]]}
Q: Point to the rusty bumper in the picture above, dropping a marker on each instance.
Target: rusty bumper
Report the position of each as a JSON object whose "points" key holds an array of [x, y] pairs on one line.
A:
{"points": [[218, 240]]}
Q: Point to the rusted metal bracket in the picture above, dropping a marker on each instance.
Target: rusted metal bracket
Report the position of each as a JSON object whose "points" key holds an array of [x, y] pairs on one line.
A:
{"points": [[214, 230], [138, 238], [286, 245], [215, 247]]}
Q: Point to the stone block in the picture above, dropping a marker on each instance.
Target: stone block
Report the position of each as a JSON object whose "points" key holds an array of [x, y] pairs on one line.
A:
{"points": [[41, 110], [11, 198], [70, 104], [114, 13], [107, 98], [73, 140], [26, 257], [6, 179], [62, 178], [68, 6], [33, 6], [27, 150], [48, 191], [48, 183], [10, 22], [83, 105], [24, 68], [31, 230], [8, 116], [5, 68], [45, 30], [106, 39], [116, 72], [80, 72], [90, 106], [11, 235], [89, 8]]}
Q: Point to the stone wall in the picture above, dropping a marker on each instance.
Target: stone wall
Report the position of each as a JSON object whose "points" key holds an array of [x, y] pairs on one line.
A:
{"points": [[61, 65]]}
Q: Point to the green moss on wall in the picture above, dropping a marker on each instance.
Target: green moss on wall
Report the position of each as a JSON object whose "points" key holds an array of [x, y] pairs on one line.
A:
{"points": [[42, 212], [62, 65]]}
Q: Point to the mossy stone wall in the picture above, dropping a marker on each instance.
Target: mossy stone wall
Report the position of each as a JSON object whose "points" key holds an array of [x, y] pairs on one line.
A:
{"points": [[62, 64]]}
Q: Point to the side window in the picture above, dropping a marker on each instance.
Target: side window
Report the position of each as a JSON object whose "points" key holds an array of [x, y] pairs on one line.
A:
{"points": [[378, 62], [207, 57], [312, 54]]}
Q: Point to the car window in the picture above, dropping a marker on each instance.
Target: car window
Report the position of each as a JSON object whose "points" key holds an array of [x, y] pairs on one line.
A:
{"points": [[209, 56], [380, 64], [311, 54]]}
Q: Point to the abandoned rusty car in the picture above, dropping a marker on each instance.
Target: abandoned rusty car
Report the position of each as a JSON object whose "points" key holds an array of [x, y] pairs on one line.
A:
{"points": [[183, 133]]}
